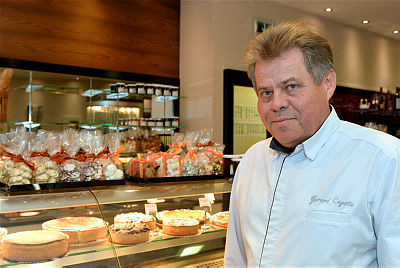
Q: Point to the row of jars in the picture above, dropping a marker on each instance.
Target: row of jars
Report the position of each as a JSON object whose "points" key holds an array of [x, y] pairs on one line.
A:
{"points": [[149, 89], [150, 122]]}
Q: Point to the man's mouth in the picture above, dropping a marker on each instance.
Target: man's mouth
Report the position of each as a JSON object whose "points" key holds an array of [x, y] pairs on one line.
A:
{"points": [[282, 119]]}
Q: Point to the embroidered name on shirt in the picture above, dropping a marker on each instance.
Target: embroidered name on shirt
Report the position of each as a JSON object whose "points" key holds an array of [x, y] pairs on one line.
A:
{"points": [[331, 200]]}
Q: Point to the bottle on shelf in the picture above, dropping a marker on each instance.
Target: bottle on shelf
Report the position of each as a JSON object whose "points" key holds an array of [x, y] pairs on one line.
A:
{"points": [[388, 103], [397, 100], [381, 103]]}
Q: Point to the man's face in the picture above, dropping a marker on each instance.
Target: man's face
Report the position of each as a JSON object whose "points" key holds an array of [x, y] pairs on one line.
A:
{"points": [[290, 105]]}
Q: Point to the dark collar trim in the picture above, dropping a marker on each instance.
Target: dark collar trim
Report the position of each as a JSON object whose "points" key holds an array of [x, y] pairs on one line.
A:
{"points": [[275, 145]]}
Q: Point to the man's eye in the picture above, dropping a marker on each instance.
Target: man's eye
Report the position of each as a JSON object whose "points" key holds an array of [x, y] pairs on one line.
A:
{"points": [[264, 93], [291, 87]]}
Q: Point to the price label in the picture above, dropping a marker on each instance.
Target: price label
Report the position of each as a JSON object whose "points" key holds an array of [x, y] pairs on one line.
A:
{"points": [[204, 202], [150, 209], [210, 197]]}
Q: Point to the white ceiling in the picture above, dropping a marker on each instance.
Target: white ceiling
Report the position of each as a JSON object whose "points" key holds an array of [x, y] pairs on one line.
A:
{"points": [[384, 15]]}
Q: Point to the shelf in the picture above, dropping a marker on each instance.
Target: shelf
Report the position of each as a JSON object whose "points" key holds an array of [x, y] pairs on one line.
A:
{"points": [[79, 254], [110, 195], [82, 125], [94, 92]]}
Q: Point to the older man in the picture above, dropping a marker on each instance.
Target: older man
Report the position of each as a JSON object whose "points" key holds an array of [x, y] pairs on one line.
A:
{"points": [[321, 191]]}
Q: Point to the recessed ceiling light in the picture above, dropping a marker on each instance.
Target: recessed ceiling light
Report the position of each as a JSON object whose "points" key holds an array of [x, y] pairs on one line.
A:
{"points": [[395, 31], [328, 9], [365, 21]]}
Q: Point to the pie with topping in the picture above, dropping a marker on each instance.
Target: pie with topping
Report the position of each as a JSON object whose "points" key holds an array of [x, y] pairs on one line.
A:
{"points": [[220, 219], [135, 217], [32, 246], [199, 215], [130, 233], [180, 227], [79, 229]]}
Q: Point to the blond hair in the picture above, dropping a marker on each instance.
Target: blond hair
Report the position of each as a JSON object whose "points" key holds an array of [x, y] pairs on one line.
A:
{"points": [[276, 40]]}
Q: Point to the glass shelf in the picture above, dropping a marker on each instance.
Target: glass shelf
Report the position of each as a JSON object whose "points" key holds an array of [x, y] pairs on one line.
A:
{"points": [[94, 92]]}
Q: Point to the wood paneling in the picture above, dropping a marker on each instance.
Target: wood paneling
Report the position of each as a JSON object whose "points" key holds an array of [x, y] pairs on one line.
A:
{"points": [[137, 36]]}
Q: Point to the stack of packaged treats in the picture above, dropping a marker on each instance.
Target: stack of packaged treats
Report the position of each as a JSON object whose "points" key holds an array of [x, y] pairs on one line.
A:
{"points": [[16, 169], [138, 141], [70, 156], [45, 145], [192, 154], [132, 141]]}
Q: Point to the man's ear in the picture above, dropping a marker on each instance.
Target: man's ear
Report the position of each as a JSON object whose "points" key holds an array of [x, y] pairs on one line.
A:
{"points": [[330, 83]]}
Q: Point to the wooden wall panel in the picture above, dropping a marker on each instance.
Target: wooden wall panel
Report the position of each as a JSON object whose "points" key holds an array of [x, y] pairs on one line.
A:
{"points": [[138, 36]]}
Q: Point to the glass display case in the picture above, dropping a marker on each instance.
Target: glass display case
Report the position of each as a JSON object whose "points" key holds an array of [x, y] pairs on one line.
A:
{"points": [[27, 212]]}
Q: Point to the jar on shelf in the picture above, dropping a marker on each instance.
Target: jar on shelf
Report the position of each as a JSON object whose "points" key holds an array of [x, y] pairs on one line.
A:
{"points": [[151, 122], [149, 88], [131, 88], [113, 88], [167, 91], [175, 91], [159, 122], [140, 89], [121, 88], [167, 122], [135, 122], [143, 122], [158, 91], [175, 121]]}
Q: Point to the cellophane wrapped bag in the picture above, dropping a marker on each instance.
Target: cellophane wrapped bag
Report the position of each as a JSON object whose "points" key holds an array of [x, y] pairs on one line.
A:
{"points": [[44, 144], [202, 147], [70, 167], [93, 148], [112, 168], [190, 159], [132, 141], [16, 168]]}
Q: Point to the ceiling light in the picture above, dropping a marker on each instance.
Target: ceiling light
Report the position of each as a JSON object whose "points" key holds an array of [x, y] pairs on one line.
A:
{"points": [[395, 31], [365, 21], [328, 9]]}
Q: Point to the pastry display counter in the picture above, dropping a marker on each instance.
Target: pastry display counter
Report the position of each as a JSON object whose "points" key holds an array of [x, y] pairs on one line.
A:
{"points": [[27, 212]]}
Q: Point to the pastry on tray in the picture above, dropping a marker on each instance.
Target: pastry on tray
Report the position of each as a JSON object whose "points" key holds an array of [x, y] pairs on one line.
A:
{"points": [[220, 219], [79, 229], [135, 217], [199, 215], [180, 227], [34, 246], [129, 233]]}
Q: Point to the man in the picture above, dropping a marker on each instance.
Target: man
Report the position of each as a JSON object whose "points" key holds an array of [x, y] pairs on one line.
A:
{"points": [[321, 191]]}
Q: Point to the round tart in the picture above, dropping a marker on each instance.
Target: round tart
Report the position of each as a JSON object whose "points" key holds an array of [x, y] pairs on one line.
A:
{"points": [[199, 215], [130, 233], [180, 227], [31, 246], [220, 219], [135, 217], [79, 229]]}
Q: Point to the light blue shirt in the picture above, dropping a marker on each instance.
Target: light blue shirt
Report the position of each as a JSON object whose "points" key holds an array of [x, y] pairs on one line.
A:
{"points": [[335, 201]]}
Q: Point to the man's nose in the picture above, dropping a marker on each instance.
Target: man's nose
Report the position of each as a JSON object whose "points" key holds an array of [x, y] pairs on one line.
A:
{"points": [[279, 101]]}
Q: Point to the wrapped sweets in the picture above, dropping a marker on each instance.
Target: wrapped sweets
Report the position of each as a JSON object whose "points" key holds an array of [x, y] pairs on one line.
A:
{"points": [[142, 167], [190, 165], [92, 143], [46, 170], [151, 142], [112, 165], [70, 168], [133, 141], [202, 148], [215, 158], [16, 169]]}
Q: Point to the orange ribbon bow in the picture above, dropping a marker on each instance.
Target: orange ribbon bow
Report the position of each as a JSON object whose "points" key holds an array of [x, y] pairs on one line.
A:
{"points": [[18, 158]]}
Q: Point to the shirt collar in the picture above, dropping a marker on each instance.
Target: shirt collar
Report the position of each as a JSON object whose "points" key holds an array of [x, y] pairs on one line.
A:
{"points": [[313, 144]]}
